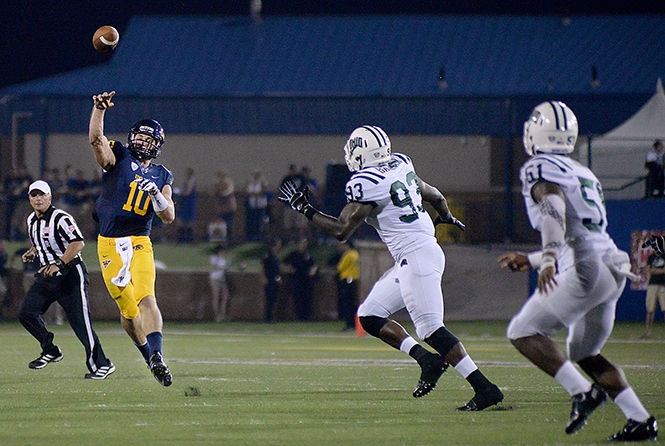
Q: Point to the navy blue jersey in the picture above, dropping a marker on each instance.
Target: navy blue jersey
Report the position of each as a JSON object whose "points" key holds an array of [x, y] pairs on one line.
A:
{"points": [[122, 209]]}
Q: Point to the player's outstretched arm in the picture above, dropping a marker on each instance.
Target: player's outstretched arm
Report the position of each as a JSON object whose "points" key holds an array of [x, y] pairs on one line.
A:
{"points": [[433, 196], [349, 220], [100, 145], [341, 227]]}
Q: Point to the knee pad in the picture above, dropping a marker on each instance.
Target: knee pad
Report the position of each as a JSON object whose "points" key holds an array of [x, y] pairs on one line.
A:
{"points": [[373, 324], [442, 341]]}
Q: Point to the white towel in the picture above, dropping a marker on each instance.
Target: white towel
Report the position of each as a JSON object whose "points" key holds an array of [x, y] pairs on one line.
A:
{"points": [[619, 262], [123, 246]]}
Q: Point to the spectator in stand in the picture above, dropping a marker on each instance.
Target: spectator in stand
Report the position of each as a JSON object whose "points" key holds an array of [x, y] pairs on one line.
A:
{"points": [[217, 230], [95, 186], [348, 273], [272, 278], [3, 277], [187, 207], [16, 188], [224, 191], [311, 183], [257, 206], [53, 178], [655, 180], [76, 193], [301, 265], [655, 289], [218, 283]]}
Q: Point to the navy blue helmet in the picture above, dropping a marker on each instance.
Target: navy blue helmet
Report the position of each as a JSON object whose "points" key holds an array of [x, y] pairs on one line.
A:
{"points": [[141, 148]]}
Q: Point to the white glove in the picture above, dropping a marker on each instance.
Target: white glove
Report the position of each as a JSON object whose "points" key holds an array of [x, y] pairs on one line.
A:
{"points": [[147, 186]]}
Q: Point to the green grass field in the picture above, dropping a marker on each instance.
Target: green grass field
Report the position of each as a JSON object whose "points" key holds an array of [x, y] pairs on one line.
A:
{"points": [[290, 383]]}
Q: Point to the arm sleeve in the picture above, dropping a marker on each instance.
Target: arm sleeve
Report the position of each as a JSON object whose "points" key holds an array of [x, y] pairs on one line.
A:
{"points": [[68, 229], [553, 226]]}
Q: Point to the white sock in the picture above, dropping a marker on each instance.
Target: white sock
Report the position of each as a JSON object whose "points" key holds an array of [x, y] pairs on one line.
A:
{"points": [[630, 405], [466, 366], [571, 379], [407, 344]]}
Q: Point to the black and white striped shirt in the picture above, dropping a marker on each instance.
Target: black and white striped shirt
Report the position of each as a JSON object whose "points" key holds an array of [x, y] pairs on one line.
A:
{"points": [[51, 233]]}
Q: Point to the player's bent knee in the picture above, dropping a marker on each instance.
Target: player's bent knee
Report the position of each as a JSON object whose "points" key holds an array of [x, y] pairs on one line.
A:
{"points": [[426, 329], [128, 311], [370, 308], [373, 324], [442, 340], [517, 329]]}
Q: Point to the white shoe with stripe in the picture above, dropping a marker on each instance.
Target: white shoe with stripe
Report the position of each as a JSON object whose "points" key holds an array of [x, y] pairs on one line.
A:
{"points": [[45, 358], [102, 372]]}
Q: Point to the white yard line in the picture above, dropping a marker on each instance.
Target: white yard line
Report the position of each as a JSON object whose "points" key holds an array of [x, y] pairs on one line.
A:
{"points": [[364, 363]]}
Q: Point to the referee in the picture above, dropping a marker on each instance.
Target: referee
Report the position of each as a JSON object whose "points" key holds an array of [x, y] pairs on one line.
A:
{"points": [[56, 242]]}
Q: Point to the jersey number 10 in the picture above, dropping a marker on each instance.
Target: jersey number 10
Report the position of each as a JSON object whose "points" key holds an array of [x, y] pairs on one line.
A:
{"points": [[136, 203]]}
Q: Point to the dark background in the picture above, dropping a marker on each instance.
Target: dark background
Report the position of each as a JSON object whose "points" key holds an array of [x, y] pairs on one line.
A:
{"points": [[41, 38]]}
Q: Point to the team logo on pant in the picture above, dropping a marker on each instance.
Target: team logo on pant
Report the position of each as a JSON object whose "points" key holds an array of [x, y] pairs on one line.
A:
{"points": [[106, 263]]}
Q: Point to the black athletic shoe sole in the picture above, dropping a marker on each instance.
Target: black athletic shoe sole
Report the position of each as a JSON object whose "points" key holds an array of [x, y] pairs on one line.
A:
{"points": [[430, 376], [483, 400], [160, 371], [582, 408], [636, 431]]}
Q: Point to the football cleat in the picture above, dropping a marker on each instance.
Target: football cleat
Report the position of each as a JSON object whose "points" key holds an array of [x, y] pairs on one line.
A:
{"points": [[159, 369], [431, 371], [583, 405], [636, 431], [102, 372], [45, 359], [482, 400]]}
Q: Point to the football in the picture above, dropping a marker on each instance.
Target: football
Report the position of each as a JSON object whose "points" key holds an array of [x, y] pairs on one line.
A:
{"points": [[105, 39]]}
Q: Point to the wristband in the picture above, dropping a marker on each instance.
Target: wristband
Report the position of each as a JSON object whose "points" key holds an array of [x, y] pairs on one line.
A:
{"points": [[159, 202], [535, 259], [548, 261], [60, 264], [309, 211]]}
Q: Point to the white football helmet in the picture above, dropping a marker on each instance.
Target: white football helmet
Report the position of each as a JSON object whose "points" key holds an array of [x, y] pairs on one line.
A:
{"points": [[367, 146], [551, 128]]}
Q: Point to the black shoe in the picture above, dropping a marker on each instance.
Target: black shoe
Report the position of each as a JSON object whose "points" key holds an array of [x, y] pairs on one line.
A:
{"points": [[160, 370], [482, 400], [45, 358], [102, 372], [431, 370], [583, 405], [636, 431]]}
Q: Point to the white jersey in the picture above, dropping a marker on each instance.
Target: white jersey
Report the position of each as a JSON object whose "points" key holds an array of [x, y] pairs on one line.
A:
{"points": [[586, 218], [398, 215]]}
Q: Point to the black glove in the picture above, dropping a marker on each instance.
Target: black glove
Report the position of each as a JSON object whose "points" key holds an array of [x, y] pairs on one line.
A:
{"points": [[295, 198], [657, 242], [450, 221]]}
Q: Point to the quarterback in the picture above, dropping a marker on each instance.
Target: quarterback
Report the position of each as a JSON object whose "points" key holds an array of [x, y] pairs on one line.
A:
{"points": [[581, 275], [385, 191], [133, 191]]}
